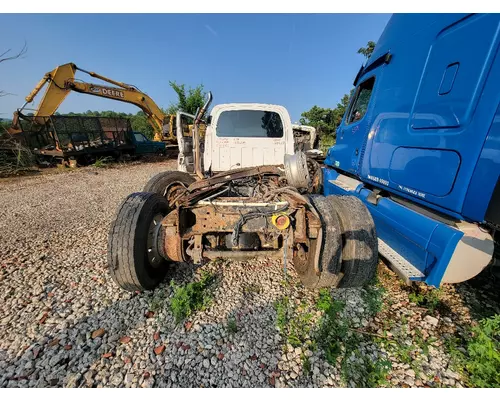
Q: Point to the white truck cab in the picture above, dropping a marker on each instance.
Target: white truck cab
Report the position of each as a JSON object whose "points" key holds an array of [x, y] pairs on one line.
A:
{"points": [[247, 135], [241, 135]]}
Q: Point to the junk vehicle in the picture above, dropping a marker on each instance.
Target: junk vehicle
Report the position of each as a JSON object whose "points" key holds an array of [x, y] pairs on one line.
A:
{"points": [[243, 202], [307, 141], [228, 153], [83, 138], [61, 81], [413, 176]]}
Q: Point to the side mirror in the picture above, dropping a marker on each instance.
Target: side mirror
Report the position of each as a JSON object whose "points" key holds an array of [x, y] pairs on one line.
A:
{"points": [[209, 120]]}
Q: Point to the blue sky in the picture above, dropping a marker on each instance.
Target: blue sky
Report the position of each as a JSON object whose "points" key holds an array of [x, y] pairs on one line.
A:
{"points": [[296, 60]]}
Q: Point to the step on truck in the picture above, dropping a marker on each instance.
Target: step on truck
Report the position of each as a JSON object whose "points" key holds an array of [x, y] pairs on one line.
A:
{"points": [[413, 176]]}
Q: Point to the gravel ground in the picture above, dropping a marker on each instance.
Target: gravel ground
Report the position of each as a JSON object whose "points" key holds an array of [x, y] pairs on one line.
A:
{"points": [[63, 321]]}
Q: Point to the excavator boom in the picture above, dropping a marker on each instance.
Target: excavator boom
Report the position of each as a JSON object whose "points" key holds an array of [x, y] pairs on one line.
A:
{"points": [[61, 81]]}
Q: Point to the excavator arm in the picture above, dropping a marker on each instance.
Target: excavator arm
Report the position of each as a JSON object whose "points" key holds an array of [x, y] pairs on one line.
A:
{"points": [[61, 81]]}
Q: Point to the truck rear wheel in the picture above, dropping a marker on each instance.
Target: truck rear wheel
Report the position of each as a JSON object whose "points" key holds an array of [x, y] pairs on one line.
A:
{"points": [[167, 183], [359, 241], [328, 258], [134, 260]]}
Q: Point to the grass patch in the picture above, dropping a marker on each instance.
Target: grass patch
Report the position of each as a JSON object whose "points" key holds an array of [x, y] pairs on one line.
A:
{"points": [[295, 323], [299, 327], [231, 326], [429, 298], [306, 365], [373, 296], [483, 363], [103, 162], [281, 307], [191, 297], [333, 328]]}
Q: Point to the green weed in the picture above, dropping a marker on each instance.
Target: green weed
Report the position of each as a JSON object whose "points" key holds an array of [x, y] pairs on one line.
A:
{"points": [[376, 372], [483, 363], [306, 365], [373, 297], [252, 288], [103, 162], [294, 323], [298, 328], [429, 299], [336, 339], [157, 301], [333, 329], [191, 297], [281, 307], [232, 327]]}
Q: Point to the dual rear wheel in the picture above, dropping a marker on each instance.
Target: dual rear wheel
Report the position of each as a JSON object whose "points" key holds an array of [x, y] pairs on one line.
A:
{"points": [[349, 251]]}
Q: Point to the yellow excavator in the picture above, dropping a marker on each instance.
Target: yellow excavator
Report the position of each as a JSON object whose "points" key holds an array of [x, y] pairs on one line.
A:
{"points": [[61, 81]]}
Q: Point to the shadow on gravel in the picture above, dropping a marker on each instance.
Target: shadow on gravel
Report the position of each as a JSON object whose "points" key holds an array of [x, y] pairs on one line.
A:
{"points": [[72, 356], [481, 294]]}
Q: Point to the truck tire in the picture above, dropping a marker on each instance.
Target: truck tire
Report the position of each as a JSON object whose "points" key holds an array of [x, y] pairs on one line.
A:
{"points": [[164, 183], [131, 261], [359, 241], [329, 255]]}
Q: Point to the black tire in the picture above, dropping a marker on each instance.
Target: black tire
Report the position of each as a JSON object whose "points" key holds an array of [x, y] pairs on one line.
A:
{"points": [[128, 261], [160, 183], [359, 241], [329, 255]]}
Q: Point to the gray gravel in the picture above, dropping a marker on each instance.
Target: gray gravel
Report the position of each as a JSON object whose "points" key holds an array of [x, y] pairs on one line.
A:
{"points": [[63, 322]]}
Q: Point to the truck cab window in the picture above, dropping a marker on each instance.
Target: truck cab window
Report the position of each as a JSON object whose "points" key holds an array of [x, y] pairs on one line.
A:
{"points": [[361, 101], [139, 137], [250, 124]]}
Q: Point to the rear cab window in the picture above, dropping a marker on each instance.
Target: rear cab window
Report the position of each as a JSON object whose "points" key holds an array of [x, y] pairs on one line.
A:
{"points": [[139, 137], [249, 124], [359, 104]]}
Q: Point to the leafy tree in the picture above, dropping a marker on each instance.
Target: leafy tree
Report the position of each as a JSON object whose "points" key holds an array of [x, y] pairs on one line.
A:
{"points": [[368, 50], [140, 123], [323, 119], [188, 101], [326, 120]]}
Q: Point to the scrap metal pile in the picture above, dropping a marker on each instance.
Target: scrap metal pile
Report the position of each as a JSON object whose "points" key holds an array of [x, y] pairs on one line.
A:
{"points": [[59, 135]]}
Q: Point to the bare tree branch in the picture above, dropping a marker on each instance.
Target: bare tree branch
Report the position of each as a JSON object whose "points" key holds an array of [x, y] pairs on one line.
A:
{"points": [[3, 93], [20, 54]]}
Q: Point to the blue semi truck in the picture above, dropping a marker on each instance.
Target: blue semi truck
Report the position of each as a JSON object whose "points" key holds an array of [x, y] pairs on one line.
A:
{"points": [[413, 176], [420, 144]]}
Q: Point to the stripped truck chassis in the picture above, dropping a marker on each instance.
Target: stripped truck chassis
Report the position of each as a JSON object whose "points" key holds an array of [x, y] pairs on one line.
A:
{"points": [[207, 230], [256, 212]]}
